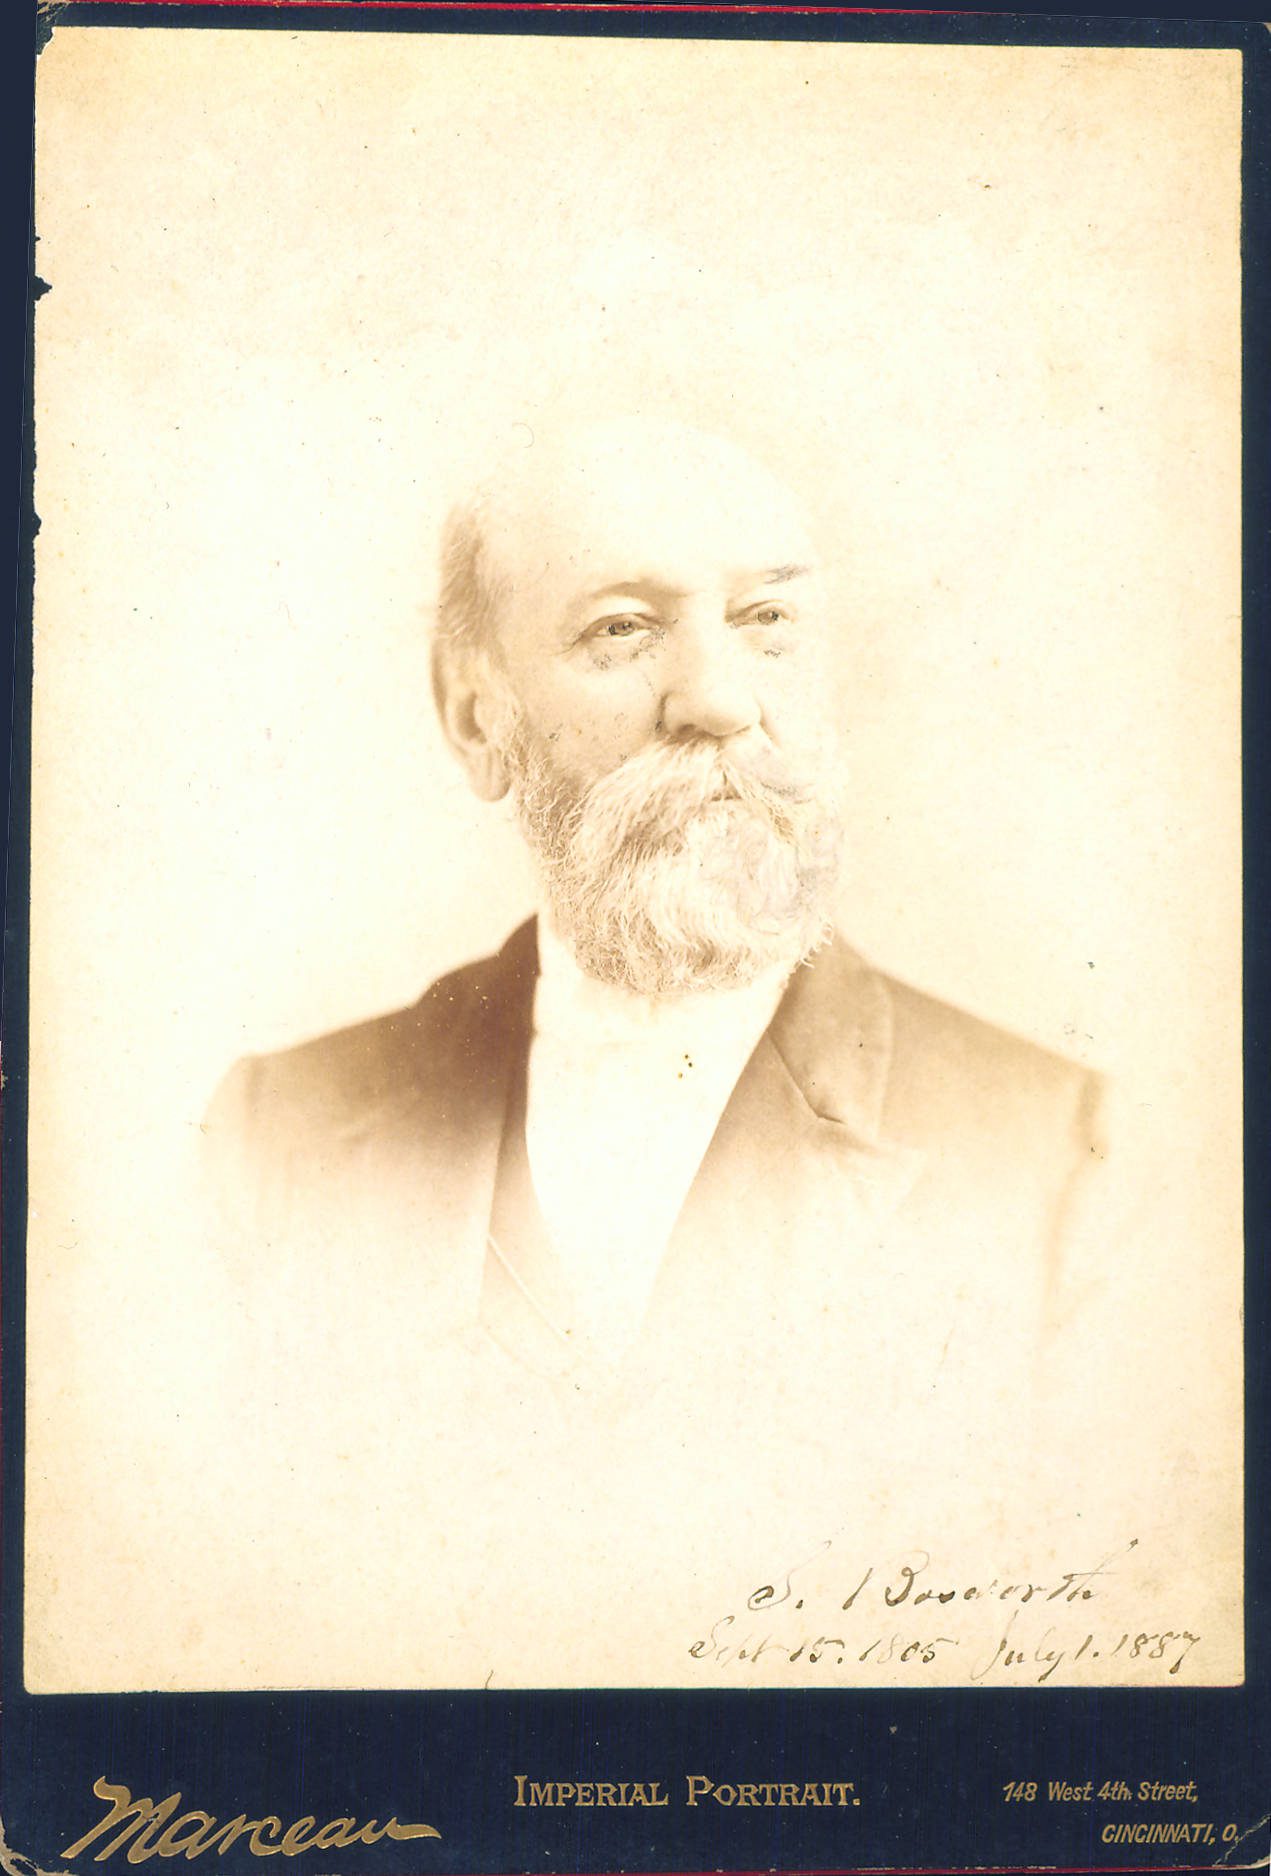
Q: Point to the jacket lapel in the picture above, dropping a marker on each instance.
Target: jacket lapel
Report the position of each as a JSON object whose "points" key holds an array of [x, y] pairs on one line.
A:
{"points": [[834, 1035], [800, 1166], [817, 1083]]}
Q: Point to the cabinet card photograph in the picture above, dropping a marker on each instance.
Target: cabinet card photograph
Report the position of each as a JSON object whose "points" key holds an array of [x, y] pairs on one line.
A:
{"points": [[635, 999]]}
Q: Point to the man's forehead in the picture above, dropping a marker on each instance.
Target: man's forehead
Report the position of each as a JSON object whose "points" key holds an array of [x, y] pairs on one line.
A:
{"points": [[641, 502]]}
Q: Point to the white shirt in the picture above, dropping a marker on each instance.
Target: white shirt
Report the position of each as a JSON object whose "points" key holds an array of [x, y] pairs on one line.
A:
{"points": [[624, 1093]]}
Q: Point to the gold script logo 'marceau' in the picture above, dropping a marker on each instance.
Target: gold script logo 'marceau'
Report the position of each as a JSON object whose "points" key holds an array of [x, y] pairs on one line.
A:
{"points": [[156, 1832]]}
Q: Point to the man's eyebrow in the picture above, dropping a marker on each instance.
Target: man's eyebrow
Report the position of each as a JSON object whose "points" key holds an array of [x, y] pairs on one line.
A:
{"points": [[641, 587], [777, 576], [650, 587]]}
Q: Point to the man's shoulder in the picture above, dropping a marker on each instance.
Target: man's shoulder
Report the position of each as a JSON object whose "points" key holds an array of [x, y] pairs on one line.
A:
{"points": [[956, 1074], [428, 1051], [948, 1033]]}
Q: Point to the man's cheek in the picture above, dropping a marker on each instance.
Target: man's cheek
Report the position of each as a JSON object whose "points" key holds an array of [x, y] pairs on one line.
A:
{"points": [[599, 743], [800, 722]]}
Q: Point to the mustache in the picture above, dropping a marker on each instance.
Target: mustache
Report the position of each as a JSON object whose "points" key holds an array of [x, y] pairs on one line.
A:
{"points": [[647, 799]]}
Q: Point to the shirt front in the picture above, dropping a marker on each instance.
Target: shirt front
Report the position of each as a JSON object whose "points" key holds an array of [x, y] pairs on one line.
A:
{"points": [[624, 1093]]}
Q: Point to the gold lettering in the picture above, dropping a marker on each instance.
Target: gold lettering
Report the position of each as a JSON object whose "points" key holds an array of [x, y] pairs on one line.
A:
{"points": [[143, 1811], [291, 1844], [173, 1844], [338, 1834], [195, 1832], [520, 1789], [698, 1787], [256, 1846], [228, 1834]]}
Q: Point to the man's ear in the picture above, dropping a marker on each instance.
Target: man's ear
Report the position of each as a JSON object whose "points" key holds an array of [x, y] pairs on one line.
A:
{"points": [[463, 690]]}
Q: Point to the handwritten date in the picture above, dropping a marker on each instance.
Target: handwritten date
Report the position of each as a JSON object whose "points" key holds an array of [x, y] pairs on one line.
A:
{"points": [[941, 1624]]}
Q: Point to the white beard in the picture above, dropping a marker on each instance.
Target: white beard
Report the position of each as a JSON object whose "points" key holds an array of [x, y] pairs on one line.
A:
{"points": [[687, 867]]}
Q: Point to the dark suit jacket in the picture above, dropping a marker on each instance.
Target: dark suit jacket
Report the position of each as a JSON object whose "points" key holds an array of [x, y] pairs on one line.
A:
{"points": [[885, 1162]]}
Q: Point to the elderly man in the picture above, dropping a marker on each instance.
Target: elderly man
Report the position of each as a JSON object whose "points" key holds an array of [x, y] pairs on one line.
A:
{"points": [[676, 1118], [674, 1244]]}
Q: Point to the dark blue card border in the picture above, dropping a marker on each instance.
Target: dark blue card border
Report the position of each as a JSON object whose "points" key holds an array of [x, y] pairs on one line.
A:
{"points": [[930, 1766]]}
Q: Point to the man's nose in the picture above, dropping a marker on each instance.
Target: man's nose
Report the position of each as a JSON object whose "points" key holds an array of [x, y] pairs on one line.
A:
{"points": [[711, 689]]}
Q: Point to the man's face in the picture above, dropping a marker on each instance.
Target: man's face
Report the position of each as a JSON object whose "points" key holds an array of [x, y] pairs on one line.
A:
{"points": [[661, 587], [661, 640]]}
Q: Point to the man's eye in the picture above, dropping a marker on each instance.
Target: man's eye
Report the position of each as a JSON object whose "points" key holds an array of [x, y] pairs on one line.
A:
{"points": [[624, 625], [768, 615]]}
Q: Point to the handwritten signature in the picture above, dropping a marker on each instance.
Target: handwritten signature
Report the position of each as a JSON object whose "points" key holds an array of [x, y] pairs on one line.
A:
{"points": [[777, 1623]]}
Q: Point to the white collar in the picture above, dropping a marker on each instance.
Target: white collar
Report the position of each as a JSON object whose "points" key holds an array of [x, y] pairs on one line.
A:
{"points": [[568, 1002]]}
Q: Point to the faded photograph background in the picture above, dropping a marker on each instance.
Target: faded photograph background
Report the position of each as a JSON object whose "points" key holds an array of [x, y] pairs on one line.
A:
{"points": [[978, 305]]}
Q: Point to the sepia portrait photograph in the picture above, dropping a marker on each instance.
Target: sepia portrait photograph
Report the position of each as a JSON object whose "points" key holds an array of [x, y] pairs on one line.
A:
{"points": [[635, 987]]}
